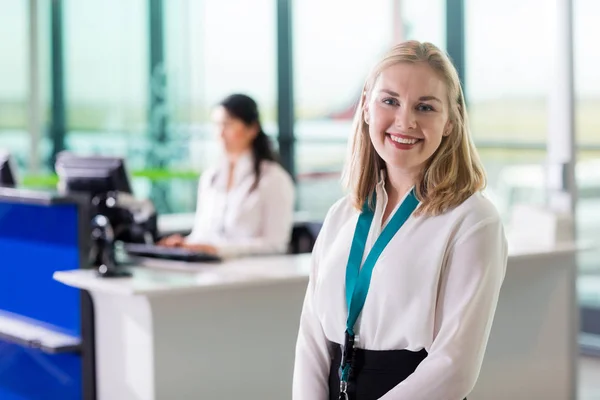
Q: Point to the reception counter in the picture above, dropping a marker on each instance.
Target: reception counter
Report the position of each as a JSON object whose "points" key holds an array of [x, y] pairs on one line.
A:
{"points": [[226, 331], [46, 328]]}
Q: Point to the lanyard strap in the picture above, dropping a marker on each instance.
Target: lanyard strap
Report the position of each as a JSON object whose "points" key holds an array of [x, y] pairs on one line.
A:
{"points": [[358, 279]]}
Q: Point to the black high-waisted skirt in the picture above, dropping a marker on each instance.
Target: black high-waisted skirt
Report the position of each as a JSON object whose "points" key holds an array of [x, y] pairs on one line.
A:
{"points": [[374, 373]]}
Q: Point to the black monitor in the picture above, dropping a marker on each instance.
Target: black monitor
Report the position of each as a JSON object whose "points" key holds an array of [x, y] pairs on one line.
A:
{"points": [[105, 181], [94, 175], [7, 173]]}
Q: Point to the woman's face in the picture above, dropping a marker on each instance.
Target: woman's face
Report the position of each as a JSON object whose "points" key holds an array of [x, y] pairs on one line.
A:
{"points": [[235, 135], [407, 114]]}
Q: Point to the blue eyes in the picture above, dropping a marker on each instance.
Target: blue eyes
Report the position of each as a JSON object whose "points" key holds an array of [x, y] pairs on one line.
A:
{"points": [[425, 107], [391, 102], [420, 107]]}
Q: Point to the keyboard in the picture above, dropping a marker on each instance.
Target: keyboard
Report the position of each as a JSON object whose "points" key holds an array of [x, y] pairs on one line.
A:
{"points": [[169, 253]]}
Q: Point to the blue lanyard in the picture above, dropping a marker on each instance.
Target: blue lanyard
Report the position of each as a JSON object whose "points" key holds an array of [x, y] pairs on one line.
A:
{"points": [[358, 279]]}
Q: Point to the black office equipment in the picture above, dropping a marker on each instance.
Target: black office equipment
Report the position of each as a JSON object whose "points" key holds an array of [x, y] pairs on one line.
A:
{"points": [[7, 173], [116, 215], [169, 253], [105, 180], [92, 174], [102, 252]]}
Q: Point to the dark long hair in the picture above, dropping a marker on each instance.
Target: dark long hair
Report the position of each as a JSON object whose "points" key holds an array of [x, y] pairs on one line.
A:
{"points": [[245, 109]]}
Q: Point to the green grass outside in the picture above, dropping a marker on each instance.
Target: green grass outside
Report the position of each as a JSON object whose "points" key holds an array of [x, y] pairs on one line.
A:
{"points": [[154, 175]]}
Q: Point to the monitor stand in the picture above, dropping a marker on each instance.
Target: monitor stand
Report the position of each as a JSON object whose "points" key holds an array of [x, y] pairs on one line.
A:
{"points": [[103, 250], [114, 271]]}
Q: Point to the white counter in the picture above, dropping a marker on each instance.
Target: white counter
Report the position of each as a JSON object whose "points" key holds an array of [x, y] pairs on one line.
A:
{"points": [[225, 331], [160, 277]]}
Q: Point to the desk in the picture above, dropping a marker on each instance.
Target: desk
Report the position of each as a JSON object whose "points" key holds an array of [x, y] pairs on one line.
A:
{"points": [[199, 331]]}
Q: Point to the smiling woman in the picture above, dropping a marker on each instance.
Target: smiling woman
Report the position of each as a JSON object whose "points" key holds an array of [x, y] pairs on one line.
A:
{"points": [[407, 117], [415, 182], [413, 102]]}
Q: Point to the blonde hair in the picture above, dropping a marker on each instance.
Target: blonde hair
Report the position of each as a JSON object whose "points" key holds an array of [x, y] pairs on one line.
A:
{"points": [[452, 174]]}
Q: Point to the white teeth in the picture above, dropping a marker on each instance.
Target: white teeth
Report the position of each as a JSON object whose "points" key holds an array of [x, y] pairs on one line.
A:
{"points": [[403, 141]]}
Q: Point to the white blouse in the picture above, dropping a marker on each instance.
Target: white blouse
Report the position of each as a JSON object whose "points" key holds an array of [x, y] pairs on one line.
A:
{"points": [[243, 221], [435, 286]]}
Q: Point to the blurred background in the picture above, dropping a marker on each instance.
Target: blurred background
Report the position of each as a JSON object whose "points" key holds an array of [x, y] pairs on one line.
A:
{"points": [[138, 79]]}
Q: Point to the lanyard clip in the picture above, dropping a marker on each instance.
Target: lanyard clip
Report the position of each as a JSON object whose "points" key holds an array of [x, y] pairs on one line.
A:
{"points": [[343, 390], [348, 350]]}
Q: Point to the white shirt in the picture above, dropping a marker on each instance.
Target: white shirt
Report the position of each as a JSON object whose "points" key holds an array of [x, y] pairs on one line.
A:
{"points": [[435, 286], [244, 221]]}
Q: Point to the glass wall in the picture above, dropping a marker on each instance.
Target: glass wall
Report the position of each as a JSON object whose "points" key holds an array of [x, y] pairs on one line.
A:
{"points": [[509, 46], [25, 83], [208, 49], [106, 87], [213, 49], [14, 93], [587, 94], [335, 45], [106, 79]]}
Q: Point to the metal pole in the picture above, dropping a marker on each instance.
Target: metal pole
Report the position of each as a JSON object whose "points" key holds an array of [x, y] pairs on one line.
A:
{"points": [[561, 155], [58, 124], [34, 87], [455, 36], [285, 85], [157, 114], [561, 150]]}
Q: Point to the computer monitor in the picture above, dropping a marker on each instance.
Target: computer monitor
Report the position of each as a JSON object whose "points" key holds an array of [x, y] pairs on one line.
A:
{"points": [[94, 175], [7, 173], [105, 181]]}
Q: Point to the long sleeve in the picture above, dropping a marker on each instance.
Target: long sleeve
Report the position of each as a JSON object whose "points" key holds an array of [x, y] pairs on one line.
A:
{"points": [[311, 369], [196, 233], [277, 210], [467, 299]]}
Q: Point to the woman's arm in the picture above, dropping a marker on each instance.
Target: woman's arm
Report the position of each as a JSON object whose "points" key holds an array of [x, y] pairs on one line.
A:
{"points": [[195, 235], [311, 369], [467, 300]]}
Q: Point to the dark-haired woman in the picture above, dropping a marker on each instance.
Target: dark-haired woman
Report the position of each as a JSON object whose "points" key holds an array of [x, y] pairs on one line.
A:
{"points": [[246, 203]]}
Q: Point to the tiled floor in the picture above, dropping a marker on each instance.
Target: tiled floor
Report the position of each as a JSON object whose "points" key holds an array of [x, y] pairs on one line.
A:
{"points": [[589, 378]]}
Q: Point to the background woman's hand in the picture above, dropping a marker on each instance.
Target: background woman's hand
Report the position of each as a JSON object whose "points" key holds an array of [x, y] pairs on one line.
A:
{"points": [[201, 248], [172, 241]]}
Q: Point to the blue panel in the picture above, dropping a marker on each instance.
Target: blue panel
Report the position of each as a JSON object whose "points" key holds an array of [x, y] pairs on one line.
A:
{"points": [[35, 241], [27, 374]]}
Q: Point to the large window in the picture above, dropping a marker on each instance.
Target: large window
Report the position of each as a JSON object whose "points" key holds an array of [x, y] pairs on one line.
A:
{"points": [[336, 42], [587, 82], [14, 80], [424, 20], [106, 74], [215, 48], [25, 86], [509, 48], [587, 95]]}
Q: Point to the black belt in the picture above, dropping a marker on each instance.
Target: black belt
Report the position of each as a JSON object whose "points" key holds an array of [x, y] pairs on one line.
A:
{"points": [[373, 373]]}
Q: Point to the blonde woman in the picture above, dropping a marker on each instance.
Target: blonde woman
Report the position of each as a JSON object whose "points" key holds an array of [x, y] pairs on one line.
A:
{"points": [[407, 269]]}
